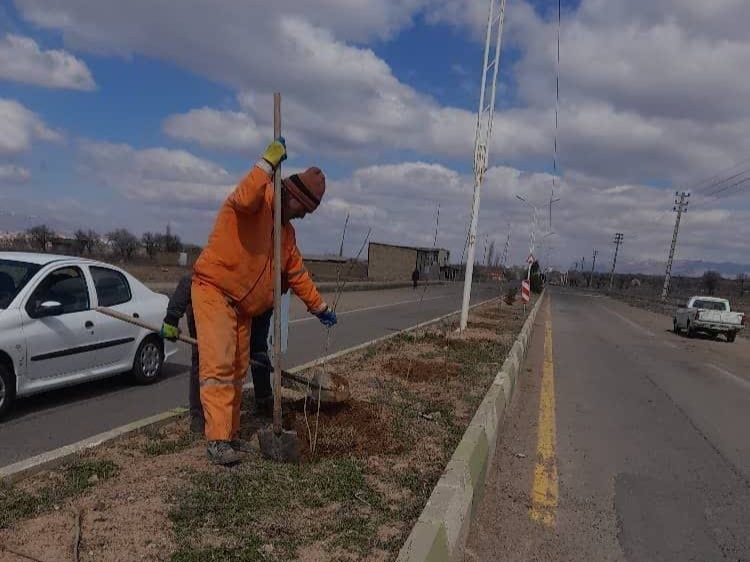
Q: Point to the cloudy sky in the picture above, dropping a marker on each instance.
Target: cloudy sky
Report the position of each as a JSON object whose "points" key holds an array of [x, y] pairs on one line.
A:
{"points": [[141, 113]]}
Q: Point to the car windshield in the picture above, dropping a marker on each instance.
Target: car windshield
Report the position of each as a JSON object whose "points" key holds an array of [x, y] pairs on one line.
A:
{"points": [[710, 305], [13, 277]]}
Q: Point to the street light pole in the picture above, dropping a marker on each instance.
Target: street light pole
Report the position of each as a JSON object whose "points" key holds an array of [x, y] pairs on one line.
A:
{"points": [[485, 119]]}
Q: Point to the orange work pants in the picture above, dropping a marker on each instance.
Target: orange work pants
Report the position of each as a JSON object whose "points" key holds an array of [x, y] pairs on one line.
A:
{"points": [[224, 349]]}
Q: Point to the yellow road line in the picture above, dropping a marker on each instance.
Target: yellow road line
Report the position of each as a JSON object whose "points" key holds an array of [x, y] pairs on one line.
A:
{"points": [[544, 491]]}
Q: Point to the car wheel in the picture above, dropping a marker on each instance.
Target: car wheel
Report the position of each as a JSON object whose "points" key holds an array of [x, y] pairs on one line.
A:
{"points": [[731, 336], [148, 361], [7, 389]]}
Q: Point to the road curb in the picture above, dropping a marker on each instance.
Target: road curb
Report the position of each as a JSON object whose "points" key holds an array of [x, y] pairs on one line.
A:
{"points": [[45, 461], [21, 469], [442, 529]]}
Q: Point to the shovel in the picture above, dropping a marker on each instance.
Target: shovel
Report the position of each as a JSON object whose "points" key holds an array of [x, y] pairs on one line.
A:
{"points": [[327, 388], [276, 443]]}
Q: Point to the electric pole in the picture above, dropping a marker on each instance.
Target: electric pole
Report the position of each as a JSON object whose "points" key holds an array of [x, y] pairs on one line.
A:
{"points": [[485, 119], [593, 265], [617, 241], [680, 206]]}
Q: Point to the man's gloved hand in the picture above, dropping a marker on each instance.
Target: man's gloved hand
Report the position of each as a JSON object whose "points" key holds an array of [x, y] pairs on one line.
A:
{"points": [[169, 332], [275, 154], [328, 318]]}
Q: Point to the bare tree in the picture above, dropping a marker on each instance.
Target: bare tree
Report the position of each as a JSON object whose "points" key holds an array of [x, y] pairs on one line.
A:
{"points": [[40, 236], [92, 241], [151, 242], [124, 241], [710, 281], [81, 237]]}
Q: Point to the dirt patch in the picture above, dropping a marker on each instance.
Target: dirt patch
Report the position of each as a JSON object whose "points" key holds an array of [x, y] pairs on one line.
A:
{"points": [[420, 371], [376, 460], [356, 428]]}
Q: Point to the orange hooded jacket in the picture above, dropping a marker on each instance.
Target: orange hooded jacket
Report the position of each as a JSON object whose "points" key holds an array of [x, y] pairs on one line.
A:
{"points": [[238, 259]]}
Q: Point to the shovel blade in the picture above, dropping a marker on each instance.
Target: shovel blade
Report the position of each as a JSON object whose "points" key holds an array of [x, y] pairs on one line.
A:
{"points": [[280, 447], [329, 389]]}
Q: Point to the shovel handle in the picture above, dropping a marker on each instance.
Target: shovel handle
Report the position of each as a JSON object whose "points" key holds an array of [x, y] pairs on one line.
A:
{"points": [[141, 323], [192, 341]]}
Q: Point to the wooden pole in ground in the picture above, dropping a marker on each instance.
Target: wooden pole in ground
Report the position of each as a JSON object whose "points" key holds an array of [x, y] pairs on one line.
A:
{"points": [[277, 274]]}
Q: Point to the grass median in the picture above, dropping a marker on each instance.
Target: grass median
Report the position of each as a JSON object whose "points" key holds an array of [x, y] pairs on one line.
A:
{"points": [[368, 467]]}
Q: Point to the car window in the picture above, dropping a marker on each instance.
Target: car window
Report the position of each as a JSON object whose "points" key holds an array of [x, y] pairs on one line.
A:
{"points": [[14, 275], [709, 305], [112, 287], [67, 286]]}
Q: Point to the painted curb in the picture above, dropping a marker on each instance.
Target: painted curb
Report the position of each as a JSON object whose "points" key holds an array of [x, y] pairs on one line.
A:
{"points": [[442, 529], [45, 461], [21, 469]]}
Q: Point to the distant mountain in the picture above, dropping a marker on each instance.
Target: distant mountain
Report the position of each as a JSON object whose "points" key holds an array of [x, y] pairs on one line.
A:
{"points": [[688, 268]]}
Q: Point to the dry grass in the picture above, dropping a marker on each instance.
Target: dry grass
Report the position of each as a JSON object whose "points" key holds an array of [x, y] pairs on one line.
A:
{"points": [[356, 498]]}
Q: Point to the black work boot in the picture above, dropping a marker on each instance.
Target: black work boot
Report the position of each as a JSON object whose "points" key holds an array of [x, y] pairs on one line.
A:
{"points": [[242, 446], [222, 453]]}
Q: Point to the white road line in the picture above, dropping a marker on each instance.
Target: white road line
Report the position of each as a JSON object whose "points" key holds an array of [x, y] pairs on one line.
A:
{"points": [[371, 308], [731, 376], [629, 321]]}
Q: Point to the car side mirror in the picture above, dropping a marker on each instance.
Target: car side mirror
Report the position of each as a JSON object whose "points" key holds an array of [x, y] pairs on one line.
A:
{"points": [[49, 308]]}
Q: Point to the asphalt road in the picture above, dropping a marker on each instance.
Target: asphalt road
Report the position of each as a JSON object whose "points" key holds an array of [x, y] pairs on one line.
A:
{"points": [[625, 443], [44, 422]]}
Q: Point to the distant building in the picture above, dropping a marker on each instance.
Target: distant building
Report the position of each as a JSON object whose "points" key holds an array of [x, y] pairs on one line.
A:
{"points": [[390, 262], [333, 268]]}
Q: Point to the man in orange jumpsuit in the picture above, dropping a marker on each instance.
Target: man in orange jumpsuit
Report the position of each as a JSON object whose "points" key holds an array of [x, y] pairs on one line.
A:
{"points": [[233, 282]]}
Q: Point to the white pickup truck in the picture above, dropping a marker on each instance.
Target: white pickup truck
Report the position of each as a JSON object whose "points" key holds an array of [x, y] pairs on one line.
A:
{"points": [[709, 315]]}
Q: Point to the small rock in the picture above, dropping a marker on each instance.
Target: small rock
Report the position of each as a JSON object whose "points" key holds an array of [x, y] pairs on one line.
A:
{"points": [[131, 498], [93, 479], [267, 548], [521, 455], [98, 506], [57, 507]]}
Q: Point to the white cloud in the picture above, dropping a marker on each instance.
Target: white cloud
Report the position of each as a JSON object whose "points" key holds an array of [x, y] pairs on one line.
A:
{"points": [[22, 60], [19, 127], [14, 174], [651, 93], [157, 175], [231, 130]]}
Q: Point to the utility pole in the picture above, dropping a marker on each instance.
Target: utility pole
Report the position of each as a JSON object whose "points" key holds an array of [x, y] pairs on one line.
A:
{"points": [[617, 241], [593, 265], [680, 206], [485, 119]]}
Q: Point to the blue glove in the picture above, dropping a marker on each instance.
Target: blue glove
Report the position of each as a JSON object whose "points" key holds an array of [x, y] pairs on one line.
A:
{"points": [[328, 318]]}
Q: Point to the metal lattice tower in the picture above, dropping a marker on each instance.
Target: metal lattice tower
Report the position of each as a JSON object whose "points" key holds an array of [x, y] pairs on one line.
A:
{"points": [[593, 266], [506, 249], [485, 117], [680, 206]]}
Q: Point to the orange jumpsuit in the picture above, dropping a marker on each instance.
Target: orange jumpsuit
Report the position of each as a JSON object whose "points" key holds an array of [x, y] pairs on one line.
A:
{"points": [[232, 282]]}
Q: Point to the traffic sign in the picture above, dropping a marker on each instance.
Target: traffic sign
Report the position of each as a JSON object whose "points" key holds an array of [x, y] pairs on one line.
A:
{"points": [[525, 291]]}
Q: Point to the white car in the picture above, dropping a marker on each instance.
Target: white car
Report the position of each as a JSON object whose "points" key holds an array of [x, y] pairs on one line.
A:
{"points": [[51, 336]]}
